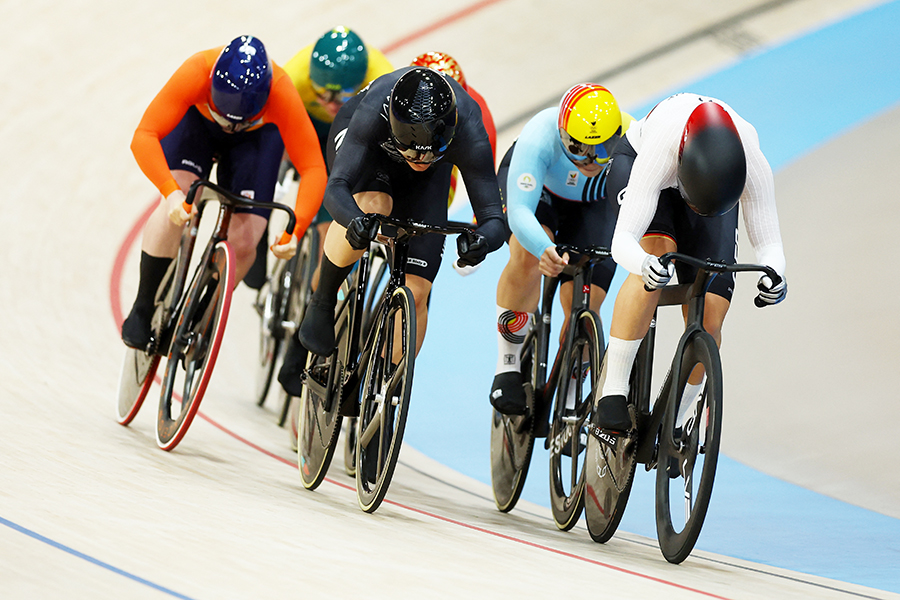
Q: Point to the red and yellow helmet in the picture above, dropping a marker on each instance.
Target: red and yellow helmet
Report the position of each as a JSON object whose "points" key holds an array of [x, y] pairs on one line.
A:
{"points": [[442, 63], [590, 123]]}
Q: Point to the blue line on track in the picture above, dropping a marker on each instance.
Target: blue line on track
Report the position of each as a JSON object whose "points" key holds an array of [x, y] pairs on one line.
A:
{"points": [[90, 559]]}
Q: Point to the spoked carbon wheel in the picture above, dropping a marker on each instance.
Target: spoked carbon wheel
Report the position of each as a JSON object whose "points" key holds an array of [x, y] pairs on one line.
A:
{"points": [[319, 419], [197, 337], [568, 431], [688, 452], [386, 391], [270, 307], [512, 437]]}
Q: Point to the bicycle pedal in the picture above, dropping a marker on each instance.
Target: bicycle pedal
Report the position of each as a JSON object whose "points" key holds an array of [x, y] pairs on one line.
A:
{"points": [[612, 440]]}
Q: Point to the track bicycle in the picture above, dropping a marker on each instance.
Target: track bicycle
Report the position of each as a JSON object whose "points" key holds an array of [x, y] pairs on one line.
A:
{"points": [[369, 374], [281, 303], [680, 441], [189, 321], [568, 390]]}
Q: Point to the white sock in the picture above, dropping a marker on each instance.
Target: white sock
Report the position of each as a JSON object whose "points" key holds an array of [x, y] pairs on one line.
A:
{"points": [[574, 385], [689, 400], [619, 360], [511, 329]]}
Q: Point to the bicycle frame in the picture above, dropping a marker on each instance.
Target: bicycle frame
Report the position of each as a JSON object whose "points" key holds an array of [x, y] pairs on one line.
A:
{"points": [[694, 296], [161, 340]]}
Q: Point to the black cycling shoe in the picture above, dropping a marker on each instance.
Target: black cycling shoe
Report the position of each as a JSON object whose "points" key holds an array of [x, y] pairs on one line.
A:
{"points": [[316, 332], [612, 414], [508, 395], [290, 376], [136, 329]]}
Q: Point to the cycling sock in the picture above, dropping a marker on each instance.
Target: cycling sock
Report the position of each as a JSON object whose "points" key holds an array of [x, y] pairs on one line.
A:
{"points": [[574, 385], [331, 277], [619, 360], [153, 269], [689, 400], [511, 328]]}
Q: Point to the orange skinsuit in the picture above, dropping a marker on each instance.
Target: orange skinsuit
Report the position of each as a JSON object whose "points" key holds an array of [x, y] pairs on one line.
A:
{"points": [[190, 86]]}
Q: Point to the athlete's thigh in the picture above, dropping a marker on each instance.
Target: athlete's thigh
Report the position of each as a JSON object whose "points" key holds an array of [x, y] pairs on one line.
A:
{"points": [[249, 164], [423, 197]]}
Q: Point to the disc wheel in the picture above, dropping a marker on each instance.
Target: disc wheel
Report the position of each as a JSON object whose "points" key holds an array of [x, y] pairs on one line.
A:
{"points": [[386, 391], [139, 366], [135, 380], [319, 418], [568, 430], [512, 437], [197, 337], [688, 453]]}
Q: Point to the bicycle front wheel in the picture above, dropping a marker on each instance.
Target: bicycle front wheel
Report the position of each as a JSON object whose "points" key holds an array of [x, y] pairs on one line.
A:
{"points": [[386, 391], [200, 326], [512, 437], [576, 383], [689, 451], [270, 307]]}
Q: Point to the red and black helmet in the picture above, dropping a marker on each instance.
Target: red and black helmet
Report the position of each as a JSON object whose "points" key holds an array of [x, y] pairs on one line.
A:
{"points": [[712, 166]]}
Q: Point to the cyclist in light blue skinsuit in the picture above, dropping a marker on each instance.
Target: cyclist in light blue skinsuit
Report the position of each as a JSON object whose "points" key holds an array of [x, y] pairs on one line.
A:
{"points": [[551, 181]]}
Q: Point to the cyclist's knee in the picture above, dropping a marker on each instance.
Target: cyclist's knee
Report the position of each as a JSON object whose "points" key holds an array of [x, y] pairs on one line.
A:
{"points": [[374, 202]]}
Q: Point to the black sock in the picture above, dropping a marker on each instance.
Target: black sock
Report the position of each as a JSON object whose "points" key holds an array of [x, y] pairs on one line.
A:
{"points": [[331, 277], [153, 269]]}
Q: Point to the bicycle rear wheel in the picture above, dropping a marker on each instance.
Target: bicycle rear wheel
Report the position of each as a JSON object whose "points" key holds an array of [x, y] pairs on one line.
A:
{"points": [[512, 436], [688, 453], [200, 326], [135, 380], [139, 366], [386, 391], [568, 430], [319, 408]]}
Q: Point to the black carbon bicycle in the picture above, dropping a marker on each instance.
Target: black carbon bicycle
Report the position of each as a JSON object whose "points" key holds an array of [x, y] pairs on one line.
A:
{"points": [[568, 390], [189, 321], [370, 373], [680, 441]]}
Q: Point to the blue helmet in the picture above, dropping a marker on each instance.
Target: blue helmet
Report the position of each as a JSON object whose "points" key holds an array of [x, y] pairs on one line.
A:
{"points": [[241, 79], [339, 62]]}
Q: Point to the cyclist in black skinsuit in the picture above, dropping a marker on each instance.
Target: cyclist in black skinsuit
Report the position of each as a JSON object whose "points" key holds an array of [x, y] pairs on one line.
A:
{"points": [[392, 150]]}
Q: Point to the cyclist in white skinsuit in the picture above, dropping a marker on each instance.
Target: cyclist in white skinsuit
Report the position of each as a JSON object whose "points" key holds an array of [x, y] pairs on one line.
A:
{"points": [[681, 175]]}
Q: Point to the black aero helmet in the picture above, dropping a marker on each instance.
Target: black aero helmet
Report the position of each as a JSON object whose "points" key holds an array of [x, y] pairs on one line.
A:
{"points": [[422, 115], [712, 167]]}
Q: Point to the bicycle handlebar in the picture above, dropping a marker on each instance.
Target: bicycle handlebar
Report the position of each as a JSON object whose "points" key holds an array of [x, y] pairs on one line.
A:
{"points": [[228, 198], [718, 267], [412, 227]]}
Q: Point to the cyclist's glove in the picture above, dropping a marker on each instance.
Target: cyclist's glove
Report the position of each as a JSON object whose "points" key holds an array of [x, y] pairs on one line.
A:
{"points": [[768, 293], [471, 248], [361, 231], [654, 274]]}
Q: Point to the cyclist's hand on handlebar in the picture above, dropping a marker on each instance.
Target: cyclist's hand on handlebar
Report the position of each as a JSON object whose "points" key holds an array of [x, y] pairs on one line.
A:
{"points": [[175, 208], [285, 251], [655, 274], [361, 231], [552, 264], [770, 294], [472, 249]]}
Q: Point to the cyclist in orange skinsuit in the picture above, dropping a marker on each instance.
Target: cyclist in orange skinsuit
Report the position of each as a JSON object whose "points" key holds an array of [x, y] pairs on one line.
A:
{"points": [[231, 106]]}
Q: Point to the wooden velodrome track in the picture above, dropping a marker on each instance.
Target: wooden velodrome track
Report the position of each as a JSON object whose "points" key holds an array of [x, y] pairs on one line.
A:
{"points": [[95, 510]]}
